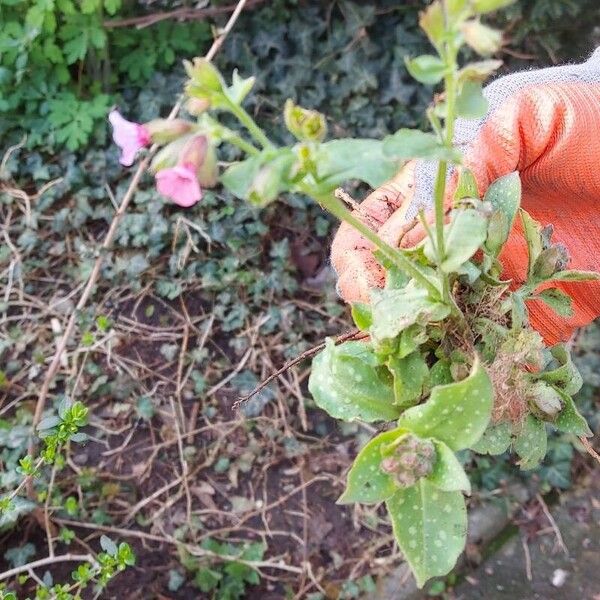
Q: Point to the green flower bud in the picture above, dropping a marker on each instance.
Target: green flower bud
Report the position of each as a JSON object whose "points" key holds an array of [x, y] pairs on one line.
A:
{"points": [[306, 125], [483, 39], [197, 106], [551, 260], [163, 131], [205, 82], [409, 459], [545, 401]]}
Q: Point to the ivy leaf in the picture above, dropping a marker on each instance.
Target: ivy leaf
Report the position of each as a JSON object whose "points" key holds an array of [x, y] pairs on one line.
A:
{"points": [[412, 143], [410, 375], [533, 236], [531, 443], [569, 420], [495, 440], [448, 474], [456, 413], [347, 383], [464, 235], [471, 103], [557, 300], [397, 309], [366, 481], [363, 159], [430, 526], [428, 69]]}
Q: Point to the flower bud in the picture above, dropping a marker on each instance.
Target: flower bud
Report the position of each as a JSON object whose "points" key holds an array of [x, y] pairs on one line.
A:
{"points": [[205, 82], [197, 106], [483, 39], [163, 131], [545, 401], [409, 459], [554, 259], [306, 125]]}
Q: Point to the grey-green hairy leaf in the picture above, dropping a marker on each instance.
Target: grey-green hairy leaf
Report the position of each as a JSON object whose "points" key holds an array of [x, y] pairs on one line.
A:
{"points": [[427, 68], [495, 439], [464, 235], [569, 420], [396, 309], [430, 526], [457, 413], [531, 443], [363, 159], [413, 143], [557, 300], [410, 375], [471, 103], [448, 474], [347, 383], [366, 481]]}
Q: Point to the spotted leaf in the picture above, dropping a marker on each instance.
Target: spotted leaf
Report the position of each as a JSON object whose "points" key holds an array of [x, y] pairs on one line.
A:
{"points": [[456, 414], [366, 481], [430, 526], [347, 382]]}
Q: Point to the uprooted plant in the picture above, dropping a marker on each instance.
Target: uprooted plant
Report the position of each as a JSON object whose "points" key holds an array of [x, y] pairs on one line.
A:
{"points": [[448, 357]]}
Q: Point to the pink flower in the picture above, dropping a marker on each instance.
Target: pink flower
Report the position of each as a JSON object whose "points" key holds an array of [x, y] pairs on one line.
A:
{"points": [[180, 184], [130, 137]]}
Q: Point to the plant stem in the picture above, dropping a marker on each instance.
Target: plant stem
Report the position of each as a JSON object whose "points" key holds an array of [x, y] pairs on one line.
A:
{"points": [[449, 57], [337, 209], [248, 122], [232, 137]]}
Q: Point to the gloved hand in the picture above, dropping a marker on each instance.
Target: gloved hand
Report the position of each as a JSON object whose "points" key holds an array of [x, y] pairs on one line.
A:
{"points": [[544, 124]]}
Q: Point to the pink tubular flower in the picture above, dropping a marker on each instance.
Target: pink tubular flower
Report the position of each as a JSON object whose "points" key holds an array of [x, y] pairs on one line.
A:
{"points": [[130, 137], [180, 184]]}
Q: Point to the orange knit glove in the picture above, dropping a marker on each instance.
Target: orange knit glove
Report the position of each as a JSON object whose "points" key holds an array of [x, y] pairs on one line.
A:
{"points": [[544, 124]]}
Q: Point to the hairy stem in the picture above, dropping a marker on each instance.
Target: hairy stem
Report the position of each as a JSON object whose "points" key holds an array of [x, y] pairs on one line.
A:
{"points": [[337, 209], [248, 122]]}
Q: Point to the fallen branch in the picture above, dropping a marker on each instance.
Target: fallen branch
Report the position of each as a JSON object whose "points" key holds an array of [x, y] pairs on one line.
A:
{"points": [[351, 335], [182, 14], [49, 560]]}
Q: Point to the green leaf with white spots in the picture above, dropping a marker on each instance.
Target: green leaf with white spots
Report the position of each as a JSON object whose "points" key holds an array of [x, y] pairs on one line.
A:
{"points": [[466, 186], [533, 236], [463, 237], [531, 443], [361, 315], [504, 194], [430, 526], [448, 474], [410, 376], [366, 481], [397, 309], [569, 420], [566, 376], [347, 382], [440, 373], [456, 413], [557, 300], [495, 440]]}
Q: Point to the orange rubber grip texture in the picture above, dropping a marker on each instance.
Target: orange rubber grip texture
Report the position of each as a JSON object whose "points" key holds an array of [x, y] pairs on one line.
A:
{"points": [[550, 134]]}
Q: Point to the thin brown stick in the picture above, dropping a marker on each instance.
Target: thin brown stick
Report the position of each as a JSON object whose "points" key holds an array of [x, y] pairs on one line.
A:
{"points": [[559, 537], [350, 335], [108, 240], [528, 572], [182, 14], [49, 560], [589, 448]]}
